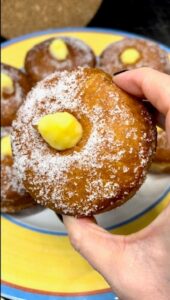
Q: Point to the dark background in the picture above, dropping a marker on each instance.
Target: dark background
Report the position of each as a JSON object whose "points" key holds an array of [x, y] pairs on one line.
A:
{"points": [[147, 17]]}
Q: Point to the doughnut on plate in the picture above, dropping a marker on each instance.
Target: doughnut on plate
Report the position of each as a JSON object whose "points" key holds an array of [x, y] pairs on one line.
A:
{"points": [[46, 265]]}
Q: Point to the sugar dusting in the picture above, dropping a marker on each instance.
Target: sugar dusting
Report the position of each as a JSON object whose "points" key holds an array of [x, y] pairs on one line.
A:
{"points": [[151, 56], [18, 91], [11, 182], [103, 150], [9, 179], [80, 54]]}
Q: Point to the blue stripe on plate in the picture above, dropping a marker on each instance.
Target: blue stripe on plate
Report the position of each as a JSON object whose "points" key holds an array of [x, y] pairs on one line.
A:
{"points": [[17, 222], [14, 294]]}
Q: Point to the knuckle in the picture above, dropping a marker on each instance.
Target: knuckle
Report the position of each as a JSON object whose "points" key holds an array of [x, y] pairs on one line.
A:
{"points": [[76, 240]]}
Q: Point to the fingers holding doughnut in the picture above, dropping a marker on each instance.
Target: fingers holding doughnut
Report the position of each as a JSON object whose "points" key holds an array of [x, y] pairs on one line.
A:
{"points": [[152, 85]]}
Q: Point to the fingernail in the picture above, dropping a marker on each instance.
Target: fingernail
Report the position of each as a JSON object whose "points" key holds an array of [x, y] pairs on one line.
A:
{"points": [[119, 72], [60, 217]]}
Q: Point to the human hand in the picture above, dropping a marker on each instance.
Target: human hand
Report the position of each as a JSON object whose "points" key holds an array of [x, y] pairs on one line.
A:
{"points": [[151, 85], [135, 266]]}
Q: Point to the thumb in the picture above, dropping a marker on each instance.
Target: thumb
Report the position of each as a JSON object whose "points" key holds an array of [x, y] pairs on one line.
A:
{"points": [[96, 245]]}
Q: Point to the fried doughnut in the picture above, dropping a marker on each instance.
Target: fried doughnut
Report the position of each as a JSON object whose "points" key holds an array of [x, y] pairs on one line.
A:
{"points": [[82, 145], [14, 87], [161, 160], [57, 54], [133, 53], [14, 198]]}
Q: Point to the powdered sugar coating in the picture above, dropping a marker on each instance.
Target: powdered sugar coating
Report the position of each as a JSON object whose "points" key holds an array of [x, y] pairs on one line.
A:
{"points": [[11, 182], [151, 55], [13, 195], [110, 162], [39, 62], [11, 102], [17, 88]]}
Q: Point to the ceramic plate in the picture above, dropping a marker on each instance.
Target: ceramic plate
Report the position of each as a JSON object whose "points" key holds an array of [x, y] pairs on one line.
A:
{"points": [[38, 261]]}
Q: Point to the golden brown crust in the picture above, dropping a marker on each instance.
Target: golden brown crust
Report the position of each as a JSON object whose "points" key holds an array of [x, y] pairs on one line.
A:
{"points": [[39, 62], [163, 148], [11, 103], [161, 160], [160, 167], [110, 162], [14, 198], [151, 56]]}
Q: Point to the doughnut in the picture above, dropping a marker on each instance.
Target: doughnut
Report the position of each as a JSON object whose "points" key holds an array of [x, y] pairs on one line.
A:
{"points": [[14, 87], [132, 53], [161, 160], [14, 198], [81, 145], [57, 54]]}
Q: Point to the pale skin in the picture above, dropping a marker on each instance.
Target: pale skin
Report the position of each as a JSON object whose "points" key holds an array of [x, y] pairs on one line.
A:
{"points": [[137, 267]]}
